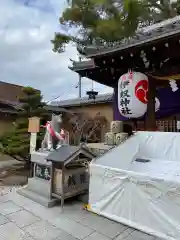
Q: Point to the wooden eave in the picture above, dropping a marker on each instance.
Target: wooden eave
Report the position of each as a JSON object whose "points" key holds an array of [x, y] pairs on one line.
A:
{"points": [[109, 73], [159, 42], [90, 70], [82, 65], [13, 104], [5, 108]]}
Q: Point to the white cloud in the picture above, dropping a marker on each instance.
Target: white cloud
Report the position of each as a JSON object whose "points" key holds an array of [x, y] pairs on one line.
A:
{"points": [[26, 55]]}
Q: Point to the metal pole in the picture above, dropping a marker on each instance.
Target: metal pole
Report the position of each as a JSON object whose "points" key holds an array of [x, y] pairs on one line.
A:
{"points": [[80, 78], [79, 86]]}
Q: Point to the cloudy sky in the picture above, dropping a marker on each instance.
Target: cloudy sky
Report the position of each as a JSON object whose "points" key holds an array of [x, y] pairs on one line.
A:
{"points": [[26, 56]]}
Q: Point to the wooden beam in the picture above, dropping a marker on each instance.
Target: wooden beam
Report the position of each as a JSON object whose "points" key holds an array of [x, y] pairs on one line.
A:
{"points": [[151, 117]]}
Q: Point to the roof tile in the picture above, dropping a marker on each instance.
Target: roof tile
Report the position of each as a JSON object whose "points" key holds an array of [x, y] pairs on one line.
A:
{"points": [[84, 101]]}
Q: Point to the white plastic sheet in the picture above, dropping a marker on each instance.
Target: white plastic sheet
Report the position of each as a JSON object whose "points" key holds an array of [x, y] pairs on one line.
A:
{"points": [[145, 196]]}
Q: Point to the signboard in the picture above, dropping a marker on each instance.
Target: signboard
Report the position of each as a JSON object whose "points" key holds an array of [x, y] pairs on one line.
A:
{"points": [[74, 181], [34, 125], [42, 172]]}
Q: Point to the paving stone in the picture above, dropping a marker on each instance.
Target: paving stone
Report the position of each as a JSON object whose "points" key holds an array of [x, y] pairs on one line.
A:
{"points": [[137, 235], [3, 220], [76, 212], [42, 230], [103, 225], [71, 224], [96, 236], [9, 207], [4, 198], [19, 199], [73, 228], [28, 238], [22, 218], [65, 236], [41, 211], [124, 234], [10, 231]]}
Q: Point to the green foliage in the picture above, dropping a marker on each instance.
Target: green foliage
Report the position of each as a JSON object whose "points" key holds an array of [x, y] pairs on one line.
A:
{"points": [[15, 142], [109, 20]]}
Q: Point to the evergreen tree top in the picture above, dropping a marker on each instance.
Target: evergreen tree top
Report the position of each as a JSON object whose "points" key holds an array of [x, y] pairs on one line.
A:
{"points": [[98, 22]]}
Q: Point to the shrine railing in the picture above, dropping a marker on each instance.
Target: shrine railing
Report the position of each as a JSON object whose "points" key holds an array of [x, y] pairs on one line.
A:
{"points": [[162, 125], [167, 126]]}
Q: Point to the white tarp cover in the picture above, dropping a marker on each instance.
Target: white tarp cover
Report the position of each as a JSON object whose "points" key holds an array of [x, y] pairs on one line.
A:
{"points": [[146, 195]]}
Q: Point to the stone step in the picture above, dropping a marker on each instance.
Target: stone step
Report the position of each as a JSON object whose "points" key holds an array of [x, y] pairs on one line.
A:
{"points": [[46, 202]]}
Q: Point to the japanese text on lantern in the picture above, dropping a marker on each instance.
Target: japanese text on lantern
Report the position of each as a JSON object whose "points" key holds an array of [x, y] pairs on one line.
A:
{"points": [[124, 94]]}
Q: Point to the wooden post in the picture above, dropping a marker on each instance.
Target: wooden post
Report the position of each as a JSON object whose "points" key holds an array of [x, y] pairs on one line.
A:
{"points": [[151, 117], [33, 129], [33, 141], [62, 187]]}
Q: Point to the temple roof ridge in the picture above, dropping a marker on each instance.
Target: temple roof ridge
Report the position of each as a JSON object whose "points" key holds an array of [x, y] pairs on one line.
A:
{"points": [[163, 29]]}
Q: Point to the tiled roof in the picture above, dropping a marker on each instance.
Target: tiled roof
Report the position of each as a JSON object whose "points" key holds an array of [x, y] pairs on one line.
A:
{"points": [[4, 110], [81, 65], [64, 153], [14, 104], [162, 30], [103, 98]]}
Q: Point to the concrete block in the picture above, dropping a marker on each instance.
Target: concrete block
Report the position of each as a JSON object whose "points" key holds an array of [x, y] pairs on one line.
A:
{"points": [[116, 127], [39, 186], [42, 200], [109, 138], [120, 137]]}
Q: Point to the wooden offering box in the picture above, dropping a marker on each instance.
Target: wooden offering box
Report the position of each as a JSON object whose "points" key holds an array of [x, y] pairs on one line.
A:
{"points": [[69, 171], [75, 181]]}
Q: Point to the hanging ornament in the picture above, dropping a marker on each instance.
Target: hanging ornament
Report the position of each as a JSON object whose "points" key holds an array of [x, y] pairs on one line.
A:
{"points": [[92, 94], [157, 104], [144, 58], [173, 85], [132, 94]]}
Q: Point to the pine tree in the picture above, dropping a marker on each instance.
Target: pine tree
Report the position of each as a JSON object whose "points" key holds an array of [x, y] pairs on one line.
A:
{"points": [[16, 142], [101, 21]]}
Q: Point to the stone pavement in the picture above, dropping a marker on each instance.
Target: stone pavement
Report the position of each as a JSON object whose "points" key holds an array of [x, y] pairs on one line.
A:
{"points": [[23, 219]]}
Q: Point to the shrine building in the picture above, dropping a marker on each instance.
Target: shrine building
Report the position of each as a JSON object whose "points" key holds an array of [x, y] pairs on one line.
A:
{"points": [[153, 51]]}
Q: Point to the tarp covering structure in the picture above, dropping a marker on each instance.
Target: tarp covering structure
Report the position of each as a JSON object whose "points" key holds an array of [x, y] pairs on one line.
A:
{"points": [[138, 184]]}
